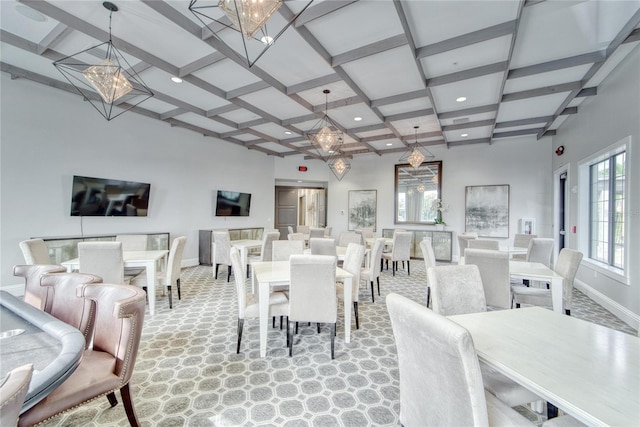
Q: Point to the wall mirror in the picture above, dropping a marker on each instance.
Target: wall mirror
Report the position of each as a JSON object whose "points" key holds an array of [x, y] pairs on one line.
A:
{"points": [[416, 191]]}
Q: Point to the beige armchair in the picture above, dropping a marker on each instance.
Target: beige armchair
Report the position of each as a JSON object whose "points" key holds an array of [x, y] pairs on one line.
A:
{"points": [[13, 391], [372, 271], [352, 263], [35, 251], [34, 294], [429, 345], [107, 366], [312, 294]]}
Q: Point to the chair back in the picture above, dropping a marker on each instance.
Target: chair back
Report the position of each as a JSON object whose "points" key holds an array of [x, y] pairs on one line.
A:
{"points": [[312, 289], [238, 275], [174, 262], [267, 245], [290, 229], [436, 358], [13, 391], [133, 242], [427, 254], [463, 241], [35, 251], [323, 246], [456, 289], [540, 250], [118, 323], [522, 241], [327, 231], [304, 229], [347, 237], [316, 232], [367, 233], [296, 236], [34, 294], [64, 304], [567, 266], [221, 247], [353, 263], [283, 249], [375, 258], [493, 245], [401, 245], [102, 259], [494, 271]]}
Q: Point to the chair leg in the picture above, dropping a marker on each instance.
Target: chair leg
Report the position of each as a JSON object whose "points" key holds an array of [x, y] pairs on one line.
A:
{"points": [[215, 276], [378, 280], [333, 341], [290, 337], [228, 274], [113, 400], [408, 267], [281, 322], [318, 325], [428, 295], [287, 334], [128, 406], [170, 297], [355, 311], [567, 312], [146, 294], [517, 305], [240, 325], [394, 267], [273, 325], [178, 285], [372, 297], [552, 411]]}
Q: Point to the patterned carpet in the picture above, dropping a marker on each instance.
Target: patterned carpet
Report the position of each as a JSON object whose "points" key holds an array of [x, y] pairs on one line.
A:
{"points": [[188, 373]]}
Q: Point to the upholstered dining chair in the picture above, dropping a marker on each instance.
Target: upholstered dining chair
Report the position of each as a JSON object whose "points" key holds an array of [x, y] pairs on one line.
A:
{"points": [[304, 229], [109, 364], [494, 272], [34, 294], [428, 346], [172, 274], [221, 248], [323, 246], [521, 241], [103, 259], [353, 258], [372, 271], [401, 251], [35, 251], [347, 237], [290, 229], [133, 242], [248, 307], [283, 249], [13, 391], [312, 294], [493, 245], [316, 232], [295, 236], [458, 289], [266, 250], [429, 261], [540, 250], [463, 243], [327, 231], [566, 266]]}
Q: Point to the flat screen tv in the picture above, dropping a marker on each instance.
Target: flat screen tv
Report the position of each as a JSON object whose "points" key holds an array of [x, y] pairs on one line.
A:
{"points": [[108, 197], [233, 203]]}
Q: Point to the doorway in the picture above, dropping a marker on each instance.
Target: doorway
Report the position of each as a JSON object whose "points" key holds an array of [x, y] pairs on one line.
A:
{"points": [[300, 205], [561, 207]]}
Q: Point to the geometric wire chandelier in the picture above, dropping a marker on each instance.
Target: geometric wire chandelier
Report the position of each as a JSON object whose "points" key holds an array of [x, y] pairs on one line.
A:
{"points": [[110, 82], [416, 154], [248, 17]]}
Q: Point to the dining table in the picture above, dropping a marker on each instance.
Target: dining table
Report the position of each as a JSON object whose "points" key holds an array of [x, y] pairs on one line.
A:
{"points": [[540, 272], [245, 245], [589, 371], [269, 273], [146, 259], [29, 335]]}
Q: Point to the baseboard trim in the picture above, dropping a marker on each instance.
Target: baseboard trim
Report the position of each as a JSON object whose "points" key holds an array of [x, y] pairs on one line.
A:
{"points": [[627, 316], [191, 262]]}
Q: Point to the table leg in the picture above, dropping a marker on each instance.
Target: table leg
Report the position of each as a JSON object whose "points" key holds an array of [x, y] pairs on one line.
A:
{"points": [[556, 293], [347, 298], [263, 301]]}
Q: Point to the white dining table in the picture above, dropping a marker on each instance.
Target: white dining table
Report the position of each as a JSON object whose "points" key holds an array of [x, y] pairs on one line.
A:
{"points": [[539, 271], [269, 273], [244, 246], [146, 259], [589, 371]]}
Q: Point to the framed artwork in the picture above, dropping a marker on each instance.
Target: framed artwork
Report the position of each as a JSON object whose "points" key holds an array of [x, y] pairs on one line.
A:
{"points": [[527, 226], [487, 210], [363, 209]]}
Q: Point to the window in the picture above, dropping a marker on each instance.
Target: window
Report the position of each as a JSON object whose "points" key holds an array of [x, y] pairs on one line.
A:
{"points": [[607, 179]]}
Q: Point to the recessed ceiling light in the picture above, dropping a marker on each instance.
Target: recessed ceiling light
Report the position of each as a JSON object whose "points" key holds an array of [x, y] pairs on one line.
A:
{"points": [[464, 135], [287, 132], [32, 14], [357, 119], [461, 99], [299, 181], [176, 79], [389, 144]]}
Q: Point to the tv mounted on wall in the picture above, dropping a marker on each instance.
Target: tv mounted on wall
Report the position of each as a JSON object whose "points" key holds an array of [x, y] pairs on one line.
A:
{"points": [[232, 203], [108, 197]]}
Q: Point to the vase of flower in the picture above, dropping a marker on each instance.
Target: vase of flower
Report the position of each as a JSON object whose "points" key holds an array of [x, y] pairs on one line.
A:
{"points": [[439, 207]]}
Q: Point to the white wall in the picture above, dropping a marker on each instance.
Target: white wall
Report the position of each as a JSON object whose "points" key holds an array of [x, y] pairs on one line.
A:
{"points": [[48, 136], [601, 121]]}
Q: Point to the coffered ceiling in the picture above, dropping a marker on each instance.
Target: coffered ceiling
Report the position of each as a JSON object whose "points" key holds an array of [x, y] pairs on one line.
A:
{"points": [[523, 66]]}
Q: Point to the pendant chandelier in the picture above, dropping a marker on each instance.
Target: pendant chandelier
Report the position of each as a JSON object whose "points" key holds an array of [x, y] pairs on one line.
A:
{"points": [[339, 165], [417, 153], [248, 17], [110, 82], [325, 135]]}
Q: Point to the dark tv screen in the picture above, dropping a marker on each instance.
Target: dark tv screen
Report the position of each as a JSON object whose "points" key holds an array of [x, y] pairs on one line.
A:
{"points": [[233, 203], [108, 197]]}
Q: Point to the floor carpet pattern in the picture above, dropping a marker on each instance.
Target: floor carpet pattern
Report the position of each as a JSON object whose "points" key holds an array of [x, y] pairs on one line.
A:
{"points": [[188, 373]]}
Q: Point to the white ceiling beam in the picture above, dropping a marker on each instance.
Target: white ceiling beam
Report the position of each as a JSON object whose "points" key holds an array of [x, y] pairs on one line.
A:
{"points": [[369, 50], [321, 9], [558, 64], [469, 125], [201, 63], [57, 34], [468, 111], [541, 91], [312, 84], [472, 73]]}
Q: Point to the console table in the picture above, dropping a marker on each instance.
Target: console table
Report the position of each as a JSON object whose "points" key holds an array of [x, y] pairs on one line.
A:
{"points": [[440, 240], [205, 241]]}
